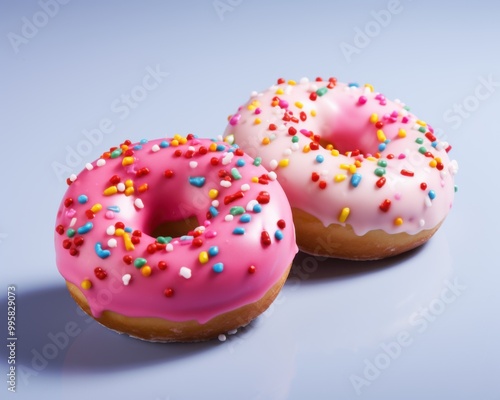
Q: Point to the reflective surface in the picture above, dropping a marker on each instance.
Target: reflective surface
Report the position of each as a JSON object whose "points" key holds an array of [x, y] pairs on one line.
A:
{"points": [[79, 78]]}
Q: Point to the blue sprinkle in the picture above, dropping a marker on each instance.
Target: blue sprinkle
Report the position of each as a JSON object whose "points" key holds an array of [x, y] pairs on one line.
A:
{"points": [[85, 228], [240, 162], [382, 146], [434, 144], [186, 237], [239, 231], [137, 147], [128, 229], [143, 141], [355, 179], [353, 84], [220, 147], [114, 208], [197, 181], [164, 144], [213, 251], [432, 194], [82, 199], [100, 252], [278, 234], [245, 218], [320, 158], [213, 211], [219, 267], [257, 208]]}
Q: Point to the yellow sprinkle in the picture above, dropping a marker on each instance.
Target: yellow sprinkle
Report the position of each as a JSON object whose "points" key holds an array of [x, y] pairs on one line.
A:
{"points": [[381, 135], [174, 142], [398, 221], [129, 246], [344, 166], [352, 168], [357, 164], [213, 193], [433, 163], [344, 214], [291, 82], [339, 177], [129, 191], [371, 158], [369, 86], [421, 123], [96, 208], [284, 162], [266, 140], [183, 140], [110, 190], [127, 161], [335, 152], [438, 159], [279, 91], [212, 147], [255, 179], [257, 121], [402, 133], [129, 183], [203, 257], [373, 118], [119, 232], [86, 284], [313, 113], [146, 270], [124, 147], [329, 147], [306, 149], [298, 104]]}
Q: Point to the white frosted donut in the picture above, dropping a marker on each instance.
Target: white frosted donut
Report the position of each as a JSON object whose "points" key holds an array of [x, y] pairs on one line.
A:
{"points": [[365, 177]]}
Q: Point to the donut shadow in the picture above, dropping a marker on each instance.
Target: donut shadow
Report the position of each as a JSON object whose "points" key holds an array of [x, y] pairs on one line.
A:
{"points": [[311, 269], [53, 333]]}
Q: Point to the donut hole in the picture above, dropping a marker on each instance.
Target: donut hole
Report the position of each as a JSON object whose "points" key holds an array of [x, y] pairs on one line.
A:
{"points": [[173, 229]]}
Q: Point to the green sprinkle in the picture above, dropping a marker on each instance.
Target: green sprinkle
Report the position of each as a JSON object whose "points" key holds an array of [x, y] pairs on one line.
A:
{"points": [[422, 150], [322, 91], [419, 140], [380, 171], [70, 232], [235, 173], [238, 210], [295, 139], [163, 239], [116, 153], [382, 163], [257, 161], [140, 262], [422, 129]]}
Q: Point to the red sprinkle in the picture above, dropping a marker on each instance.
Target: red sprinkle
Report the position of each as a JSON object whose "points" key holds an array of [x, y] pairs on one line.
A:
{"points": [[214, 161], [385, 205], [162, 265], [379, 124], [169, 292], [314, 146], [127, 259], [313, 96], [137, 232], [60, 229], [430, 136], [272, 127], [322, 184], [440, 166], [151, 249], [232, 197], [292, 131], [100, 273], [263, 197], [68, 202], [405, 172], [78, 241], [251, 269], [114, 180], [178, 153], [142, 172], [120, 225], [74, 252], [303, 116], [66, 244], [168, 173], [280, 81], [265, 239], [89, 214], [423, 186], [315, 177], [281, 224], [197, 241], [381, 182], [203, 150]]}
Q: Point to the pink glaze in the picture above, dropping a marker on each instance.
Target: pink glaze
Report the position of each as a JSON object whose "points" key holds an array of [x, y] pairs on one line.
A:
{"points": [[129, 272], [377, 178]]}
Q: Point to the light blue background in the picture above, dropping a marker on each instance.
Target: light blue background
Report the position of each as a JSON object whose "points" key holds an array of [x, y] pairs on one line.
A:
{"points": [[334, 321]]}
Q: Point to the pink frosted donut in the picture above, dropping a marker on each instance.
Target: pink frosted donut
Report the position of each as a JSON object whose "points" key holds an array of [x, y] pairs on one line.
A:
{"points": [[178, 239], [366, 178]]}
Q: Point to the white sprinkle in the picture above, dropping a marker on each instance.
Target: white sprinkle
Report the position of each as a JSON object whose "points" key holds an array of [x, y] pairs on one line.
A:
{"points": [[72, 222], [170, 247], [193, 164], [324, 172], [72, 177], [111, 230], [245, 187], [185, 272], [287, 152], [251, 205], [227, 158], [101, 162], [295, 146], [428, 201], [126, 279], [288, 89], [121, 187], [191, 148], [254, 93], [282, 127], [225, 184], [232, 332], [272, 175], [421, 223], [112, 242], [228, 218], [453, 167], [304, 80], [222, 337], [215, 203], [89, 166], [138, 203], [200, 228], [273, 164], [155, 148]]}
